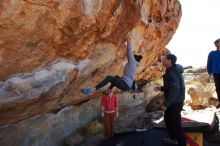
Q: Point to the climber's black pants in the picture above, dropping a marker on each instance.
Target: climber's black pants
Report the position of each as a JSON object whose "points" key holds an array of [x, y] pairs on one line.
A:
{"points": [[115, 81], [172, 119]]}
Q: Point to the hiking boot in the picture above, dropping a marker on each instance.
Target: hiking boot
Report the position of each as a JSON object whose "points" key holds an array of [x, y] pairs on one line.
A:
{"points": [[86, 90], [170, 141]]}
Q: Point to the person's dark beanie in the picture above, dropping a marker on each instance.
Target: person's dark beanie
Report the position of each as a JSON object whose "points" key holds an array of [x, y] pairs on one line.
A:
{"points": [[138, 58], [172, 57]]}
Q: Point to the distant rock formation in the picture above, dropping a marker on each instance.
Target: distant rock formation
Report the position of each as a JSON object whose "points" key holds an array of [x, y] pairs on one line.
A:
{"points": [[200, 89]]}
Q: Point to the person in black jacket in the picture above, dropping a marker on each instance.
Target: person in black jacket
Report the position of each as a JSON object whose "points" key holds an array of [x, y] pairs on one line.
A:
{"points": [[174, 95]]}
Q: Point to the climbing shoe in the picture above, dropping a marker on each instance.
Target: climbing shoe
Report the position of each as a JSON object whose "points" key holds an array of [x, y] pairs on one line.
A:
{"points": [[86, 90]]}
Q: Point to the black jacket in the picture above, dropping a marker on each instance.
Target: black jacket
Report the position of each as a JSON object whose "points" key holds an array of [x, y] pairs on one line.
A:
{"points": [[174, 86]]}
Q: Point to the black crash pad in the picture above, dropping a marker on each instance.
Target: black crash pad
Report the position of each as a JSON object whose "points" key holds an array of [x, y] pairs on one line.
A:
{"points": [[150, 137]]}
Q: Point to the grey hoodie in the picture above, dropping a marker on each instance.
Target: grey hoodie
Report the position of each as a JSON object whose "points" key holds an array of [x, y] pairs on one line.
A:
{"points": [[174, 86]]}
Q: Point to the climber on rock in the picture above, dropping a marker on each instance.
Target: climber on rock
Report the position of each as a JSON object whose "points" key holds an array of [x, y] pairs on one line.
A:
{"points": [[123, 83]]}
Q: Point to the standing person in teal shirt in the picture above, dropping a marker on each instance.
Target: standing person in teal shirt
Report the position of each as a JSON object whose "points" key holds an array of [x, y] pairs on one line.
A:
{"points": [[213, 67]]}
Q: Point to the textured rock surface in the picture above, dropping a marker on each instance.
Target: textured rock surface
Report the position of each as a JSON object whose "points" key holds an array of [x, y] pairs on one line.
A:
{"points": [[51, 129], [200, 89], [49, 49]]}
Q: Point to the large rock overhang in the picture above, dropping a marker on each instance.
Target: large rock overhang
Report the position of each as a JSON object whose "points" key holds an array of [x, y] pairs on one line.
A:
{"points": [[50, 49]]}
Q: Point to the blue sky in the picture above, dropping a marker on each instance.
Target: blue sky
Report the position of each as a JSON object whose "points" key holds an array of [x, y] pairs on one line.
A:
{"points": [[198, 29]]}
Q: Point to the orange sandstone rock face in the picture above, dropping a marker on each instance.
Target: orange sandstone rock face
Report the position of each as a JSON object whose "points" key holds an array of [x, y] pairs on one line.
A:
{"points": [[49, 49]]}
